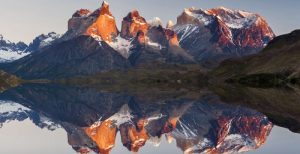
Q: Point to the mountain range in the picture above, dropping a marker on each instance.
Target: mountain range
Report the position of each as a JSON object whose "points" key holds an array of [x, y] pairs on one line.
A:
{"points": [[93, 43], [10, 51]]}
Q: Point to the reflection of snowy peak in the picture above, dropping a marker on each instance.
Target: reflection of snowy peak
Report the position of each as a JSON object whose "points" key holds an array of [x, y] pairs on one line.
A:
{"points": [[11, 111], [223, 131]]}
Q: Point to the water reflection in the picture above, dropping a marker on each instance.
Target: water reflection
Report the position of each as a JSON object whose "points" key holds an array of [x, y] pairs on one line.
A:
{"points": [[93, 119]]}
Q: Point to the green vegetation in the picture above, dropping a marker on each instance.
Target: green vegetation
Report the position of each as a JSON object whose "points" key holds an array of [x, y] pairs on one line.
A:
{"points": [[153, 77], [8, 81]]}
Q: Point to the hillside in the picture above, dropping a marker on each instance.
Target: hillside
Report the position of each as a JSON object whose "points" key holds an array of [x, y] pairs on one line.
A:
{"points": [[278, 62]]}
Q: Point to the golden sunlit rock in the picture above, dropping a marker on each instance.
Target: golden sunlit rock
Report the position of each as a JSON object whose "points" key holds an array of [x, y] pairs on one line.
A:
{"points": [[132, 24], [105, 24], [103, 135]]}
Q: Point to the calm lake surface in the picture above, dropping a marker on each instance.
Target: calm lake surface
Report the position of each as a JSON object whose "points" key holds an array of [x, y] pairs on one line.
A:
{"points": [[37, 118]]}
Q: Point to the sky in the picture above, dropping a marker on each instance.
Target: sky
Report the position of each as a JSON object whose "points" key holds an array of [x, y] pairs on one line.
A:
{"points": [[23, 20]]}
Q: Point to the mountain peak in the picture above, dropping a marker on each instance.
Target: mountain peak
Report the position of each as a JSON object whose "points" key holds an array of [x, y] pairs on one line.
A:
{"points": [[105, 8], [99, 24], [170, 24], [134, 14], [236, 31], [42, 41], [104, 25], [132, 24], [82, 13], [10, 51], [155, 22]]}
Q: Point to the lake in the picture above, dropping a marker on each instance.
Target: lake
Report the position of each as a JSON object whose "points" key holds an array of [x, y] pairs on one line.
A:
{"points": [[52, 118]]}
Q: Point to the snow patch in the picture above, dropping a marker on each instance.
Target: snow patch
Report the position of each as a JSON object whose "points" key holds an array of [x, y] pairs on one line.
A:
{"points": [[10, 111], [154, 45], [121, 45], [234, 19], [122, 116], [155, 22], [170, 24], [7, 55], [200, 15], [9, 107], [49, 39], [186, 31]]}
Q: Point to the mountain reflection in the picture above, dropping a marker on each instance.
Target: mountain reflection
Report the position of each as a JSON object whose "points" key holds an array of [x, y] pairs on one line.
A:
{"points": [[93, 119]]}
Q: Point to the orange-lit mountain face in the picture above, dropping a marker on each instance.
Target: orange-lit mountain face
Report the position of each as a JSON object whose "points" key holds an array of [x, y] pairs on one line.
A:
{"points": [[210, 36], [100, 23], [132, 24], [105, 24]]}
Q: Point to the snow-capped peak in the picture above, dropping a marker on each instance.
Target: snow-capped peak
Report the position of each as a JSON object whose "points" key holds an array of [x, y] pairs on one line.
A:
{"points": [[105, 3], [155, 22], [10, 51], [42, 41], [199, 14], [234, 19], [170, 24]]}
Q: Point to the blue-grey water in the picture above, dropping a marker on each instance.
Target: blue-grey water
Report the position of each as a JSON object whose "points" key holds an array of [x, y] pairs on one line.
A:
{"points": [[50, 119]]}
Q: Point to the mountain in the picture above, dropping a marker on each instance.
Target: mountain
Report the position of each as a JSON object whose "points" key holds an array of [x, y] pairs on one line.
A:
{"points": [[158, 44], [216, 34], [10, 51], [278, 62], [93, 43], [42, 41], [82, 55]]}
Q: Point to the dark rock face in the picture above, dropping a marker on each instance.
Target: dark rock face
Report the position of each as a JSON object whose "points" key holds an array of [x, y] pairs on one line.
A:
{"points": [[217, 34], [158, 45], [80, 56], [147, 55]]}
